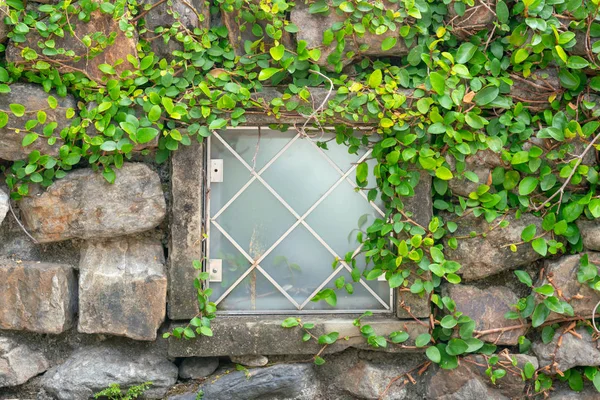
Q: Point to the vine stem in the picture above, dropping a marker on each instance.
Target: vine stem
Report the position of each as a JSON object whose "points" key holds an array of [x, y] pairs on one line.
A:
{"points": [[528, 324], [20, 224], [421, 366], [561, 191]]}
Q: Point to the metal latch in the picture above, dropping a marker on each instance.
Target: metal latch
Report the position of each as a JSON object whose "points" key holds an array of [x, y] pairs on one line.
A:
{"points": [[216, 170], [215, 270]]}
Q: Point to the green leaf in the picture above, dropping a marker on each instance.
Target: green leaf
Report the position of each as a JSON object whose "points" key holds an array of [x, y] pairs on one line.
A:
{"points": [[521, 55], [422, 340], [17, 109], [528, 233], [145, 135], [594, 207], [290, 322], [448, 322], [546, 290], [388, 43], [362, 172], [527, 185], [539, 315], [434, 354], [529, 370], [399, 337], [438, 82], [524, 278], [502, 12], [375, 78], [443, 173], [217, 124], [576, 62], [29, 138], [456, 347], [206, 331], [540, 246], [486, 95], [3, 119], [329, 338], [277, 53], [465, 52], [267, 73], [154, 113]]}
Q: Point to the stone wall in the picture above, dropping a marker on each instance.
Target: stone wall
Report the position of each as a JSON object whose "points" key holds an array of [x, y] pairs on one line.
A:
{"points": [[84, 302]]}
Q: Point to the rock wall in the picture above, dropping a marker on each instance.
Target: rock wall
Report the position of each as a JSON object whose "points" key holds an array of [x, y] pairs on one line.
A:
{"points": [[84, 303]]}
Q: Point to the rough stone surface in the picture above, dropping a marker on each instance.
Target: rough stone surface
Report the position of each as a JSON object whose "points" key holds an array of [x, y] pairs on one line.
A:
{"points": [[588, 393], [572, 352], [3, 205], [38, 297], [83, 205], [487, 308], [475, 19], [590, 233], [469, 380], [94, 368], [122, 287], [236, 336], [482, 164], [19, 363], [535, 90], [198, 367], [160, 17], [563, 272], [4, 29], [88, 64], [282, 381], [485, 256], [250, 360], [34, 98], [312, 26], [185, 245]]}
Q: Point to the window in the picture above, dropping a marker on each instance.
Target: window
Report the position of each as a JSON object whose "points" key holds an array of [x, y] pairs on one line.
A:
{"points": [[280, 211]]}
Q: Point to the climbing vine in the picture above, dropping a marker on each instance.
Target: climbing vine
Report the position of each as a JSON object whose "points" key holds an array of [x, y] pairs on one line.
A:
{"points": [[426, 85]]}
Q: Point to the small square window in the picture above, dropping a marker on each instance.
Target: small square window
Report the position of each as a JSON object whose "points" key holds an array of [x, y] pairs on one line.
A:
{"points": [[280, 210]]}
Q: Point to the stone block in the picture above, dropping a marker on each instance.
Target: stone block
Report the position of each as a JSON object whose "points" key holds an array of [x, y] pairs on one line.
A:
{"points": [[590, 233], [198, 367], [85, 61], [573, 351], [34, 98], [19, 363], [4, 205], [238, 336], [122, 287], [94, 368], [187, 180], [475, 19], [37, 297], [84, 205]]}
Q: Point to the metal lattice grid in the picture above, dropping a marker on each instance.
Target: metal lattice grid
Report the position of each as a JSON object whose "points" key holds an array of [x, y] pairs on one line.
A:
{"points": [[259, 225]]}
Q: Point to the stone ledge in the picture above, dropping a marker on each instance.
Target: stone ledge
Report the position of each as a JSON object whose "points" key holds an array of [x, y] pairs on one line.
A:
{"points": [[235, 336]]}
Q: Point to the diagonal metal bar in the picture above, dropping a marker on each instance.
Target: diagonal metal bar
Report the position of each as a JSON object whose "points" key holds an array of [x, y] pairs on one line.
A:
{"points": [[245, 164]]}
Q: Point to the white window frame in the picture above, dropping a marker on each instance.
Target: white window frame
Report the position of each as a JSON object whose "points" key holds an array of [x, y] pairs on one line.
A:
{"points": [[210, 222]]}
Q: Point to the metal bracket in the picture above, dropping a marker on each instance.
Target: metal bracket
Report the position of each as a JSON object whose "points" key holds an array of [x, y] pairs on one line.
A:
{"points": [[216, 170], [215, 270]]}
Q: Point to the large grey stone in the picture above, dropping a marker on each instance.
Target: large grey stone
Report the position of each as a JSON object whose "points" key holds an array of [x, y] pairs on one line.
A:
{"points": [[484, 256], [475, 19], [563, 273], [92, 369], [38, 297], [198, 367], [236, 336], [487, 308], [34, 98], [590, 233], [572, 352], [588, 393], [84, 205], [19, 363], [185, 246], [282, 381], [312, 26], [481, 163], [250, 360], [84, 61], [122, 287], [3, 205]]}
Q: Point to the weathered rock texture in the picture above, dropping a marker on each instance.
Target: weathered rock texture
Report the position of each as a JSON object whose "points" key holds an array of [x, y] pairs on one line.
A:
{"points": [[590, 233], [487, 308], [37, 297], [312, 26], [469, 380], [165, 15], [18, 363], [563, 273], [114, 55], [482, 164], [92, 369], [3, 205], [536, 89], [83, 205], [250, 360], [122, 287], [475, 19], [572, 352], [484, 256], [34, 98], [198, 367]]}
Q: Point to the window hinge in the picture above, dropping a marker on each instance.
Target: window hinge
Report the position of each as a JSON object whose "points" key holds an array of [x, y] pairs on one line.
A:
{"points": [[215, 270], [216, 170]]}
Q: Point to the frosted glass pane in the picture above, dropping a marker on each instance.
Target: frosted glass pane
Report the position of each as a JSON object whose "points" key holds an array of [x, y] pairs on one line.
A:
{"points": [[256, 220], [234, 263], [340, 217], [360, 299], [244, 142], [301, 175], [255, 292], [299, 264]]}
